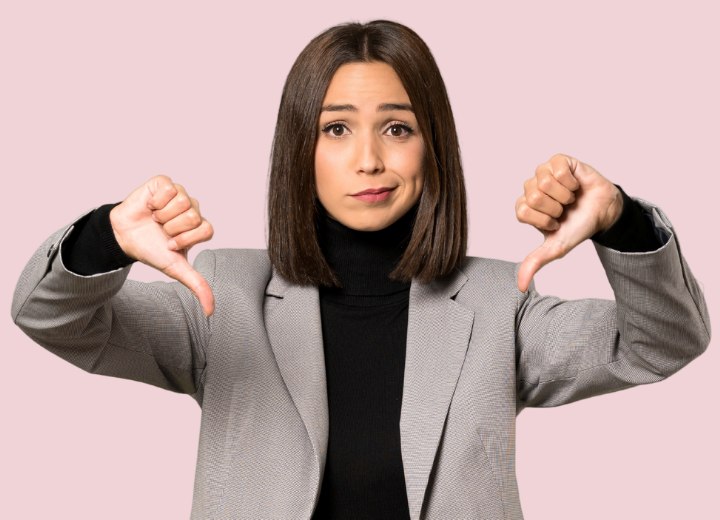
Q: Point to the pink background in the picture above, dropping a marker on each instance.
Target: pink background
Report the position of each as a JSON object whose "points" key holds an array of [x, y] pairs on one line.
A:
{"points": [[96, 98]]}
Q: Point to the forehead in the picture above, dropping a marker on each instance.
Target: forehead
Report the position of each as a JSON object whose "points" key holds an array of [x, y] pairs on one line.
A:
{"points": [[365, 83]]}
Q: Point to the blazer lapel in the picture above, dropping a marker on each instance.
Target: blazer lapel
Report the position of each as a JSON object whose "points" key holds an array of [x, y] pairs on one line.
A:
{"points": [[437, 340], [295, 334], [438, 336]]}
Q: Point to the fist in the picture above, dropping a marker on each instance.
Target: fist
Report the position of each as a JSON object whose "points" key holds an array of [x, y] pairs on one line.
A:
{"points": [[567, 201], [157, 224]]}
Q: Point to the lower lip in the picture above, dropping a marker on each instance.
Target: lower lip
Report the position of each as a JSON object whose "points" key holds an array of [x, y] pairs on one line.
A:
{"points": [[374, 197]]}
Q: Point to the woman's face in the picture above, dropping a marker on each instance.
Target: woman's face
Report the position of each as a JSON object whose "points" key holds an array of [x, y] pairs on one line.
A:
{"points": [[369, 140]]}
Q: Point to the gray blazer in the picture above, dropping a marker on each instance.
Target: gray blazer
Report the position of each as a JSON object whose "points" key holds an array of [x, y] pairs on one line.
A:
{"points": [[478, 352]]}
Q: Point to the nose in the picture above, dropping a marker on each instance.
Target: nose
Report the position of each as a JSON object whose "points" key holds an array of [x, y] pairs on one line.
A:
{"points": [[369, 155]]}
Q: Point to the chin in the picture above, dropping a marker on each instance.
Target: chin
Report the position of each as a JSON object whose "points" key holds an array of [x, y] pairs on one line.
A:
{"points": [[368, 228], [360, 222], [370, 224], [366, 219]]}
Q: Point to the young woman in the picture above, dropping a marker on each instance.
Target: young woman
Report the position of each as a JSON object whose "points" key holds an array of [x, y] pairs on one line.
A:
{"points": [[363, 366]]}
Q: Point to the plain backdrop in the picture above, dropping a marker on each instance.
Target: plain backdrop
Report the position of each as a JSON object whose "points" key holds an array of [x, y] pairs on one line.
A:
{"points": [[95, 97]]}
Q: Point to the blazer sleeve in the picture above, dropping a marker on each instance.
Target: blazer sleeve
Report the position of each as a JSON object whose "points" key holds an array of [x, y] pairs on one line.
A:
{"points": [[105, 324], [658, 323]]}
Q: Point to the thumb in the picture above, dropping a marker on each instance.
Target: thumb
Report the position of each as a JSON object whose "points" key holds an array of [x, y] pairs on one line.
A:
{"points": [[533, 262], [184, 273]]}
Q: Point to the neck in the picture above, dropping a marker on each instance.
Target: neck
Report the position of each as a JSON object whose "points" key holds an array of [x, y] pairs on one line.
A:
{"points": [[362, 260]]}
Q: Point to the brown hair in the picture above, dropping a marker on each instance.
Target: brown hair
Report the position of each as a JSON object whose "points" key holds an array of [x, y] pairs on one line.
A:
{"points": [[439, 238]]}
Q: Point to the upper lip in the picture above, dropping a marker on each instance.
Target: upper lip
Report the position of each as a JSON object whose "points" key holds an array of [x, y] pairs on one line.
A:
{"points": [[374, 190]]}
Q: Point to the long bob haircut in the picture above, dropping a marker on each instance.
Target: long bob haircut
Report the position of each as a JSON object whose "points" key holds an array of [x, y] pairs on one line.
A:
{"points": [[439, 239]]}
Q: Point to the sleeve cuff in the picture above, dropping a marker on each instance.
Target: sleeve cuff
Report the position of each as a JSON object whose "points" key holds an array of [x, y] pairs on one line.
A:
{"points": [[634, 231], [91, 247]]}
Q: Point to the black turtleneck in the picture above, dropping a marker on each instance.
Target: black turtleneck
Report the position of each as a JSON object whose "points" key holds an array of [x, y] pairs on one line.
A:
{"points": [[364, 326]]}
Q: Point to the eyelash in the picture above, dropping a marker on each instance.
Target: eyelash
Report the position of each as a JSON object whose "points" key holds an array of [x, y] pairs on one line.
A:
{"points": [[328, 127]]}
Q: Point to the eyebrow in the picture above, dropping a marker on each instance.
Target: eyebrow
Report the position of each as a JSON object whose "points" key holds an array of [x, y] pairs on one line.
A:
{"points": [[383, 107]]}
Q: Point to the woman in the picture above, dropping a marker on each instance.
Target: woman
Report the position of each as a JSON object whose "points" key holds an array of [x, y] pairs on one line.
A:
{"points": [[363, 366]]}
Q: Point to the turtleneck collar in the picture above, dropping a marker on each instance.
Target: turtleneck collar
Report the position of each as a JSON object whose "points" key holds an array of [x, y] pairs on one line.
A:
{"points": [[362, 260]]}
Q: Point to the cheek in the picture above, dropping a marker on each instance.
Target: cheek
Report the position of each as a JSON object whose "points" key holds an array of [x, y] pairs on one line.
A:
{"points": [[320, 169], [324, 167], [413, 166]]}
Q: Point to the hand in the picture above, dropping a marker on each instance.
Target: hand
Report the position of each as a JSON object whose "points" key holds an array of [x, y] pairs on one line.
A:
{"points": [[157, 224], [568, 201]]}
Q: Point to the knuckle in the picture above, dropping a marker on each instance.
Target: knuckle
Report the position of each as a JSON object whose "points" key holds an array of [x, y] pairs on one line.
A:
{"points": [[193, 217], [163, 186], [563, 174], [182, 201], [534, 264], [162, 179], [545, 182], [558, 250], [209, 229], [534, 198], [168, 227], [522, 212], [181, 242], [548, 222], [166, 184]]}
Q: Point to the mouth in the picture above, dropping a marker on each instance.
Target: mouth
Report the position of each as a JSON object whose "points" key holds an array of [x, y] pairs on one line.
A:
{"points": [[373, 191], [374, 194]]}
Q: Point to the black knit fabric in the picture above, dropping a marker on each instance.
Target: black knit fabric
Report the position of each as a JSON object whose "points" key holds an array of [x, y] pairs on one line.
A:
{"points": [[634, 231], [91, 247], [364, 326]]}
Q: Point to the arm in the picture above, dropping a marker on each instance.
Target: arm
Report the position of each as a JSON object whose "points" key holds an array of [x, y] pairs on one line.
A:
{"points": [[571, 350], [105, 324]]}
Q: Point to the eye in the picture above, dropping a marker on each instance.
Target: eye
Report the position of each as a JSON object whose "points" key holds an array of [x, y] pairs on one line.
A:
{"points": [[399, 130], [335, 129]]}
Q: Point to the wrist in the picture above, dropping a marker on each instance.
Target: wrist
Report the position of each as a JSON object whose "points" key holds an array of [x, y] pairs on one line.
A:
{"points": [[114, 240], [614, 211]]}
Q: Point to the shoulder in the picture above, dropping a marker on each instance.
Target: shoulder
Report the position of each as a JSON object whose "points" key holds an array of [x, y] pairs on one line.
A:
{"points": [[478, 269], [495, 280]]}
